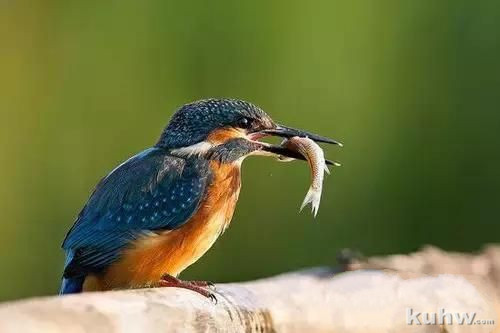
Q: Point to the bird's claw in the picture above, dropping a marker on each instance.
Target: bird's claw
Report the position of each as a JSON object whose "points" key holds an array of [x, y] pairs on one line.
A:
{"points": [[212, 298], [203, 288]]}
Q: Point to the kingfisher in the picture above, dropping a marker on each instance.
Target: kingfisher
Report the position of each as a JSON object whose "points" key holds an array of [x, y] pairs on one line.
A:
{"points": [[161, 210]]}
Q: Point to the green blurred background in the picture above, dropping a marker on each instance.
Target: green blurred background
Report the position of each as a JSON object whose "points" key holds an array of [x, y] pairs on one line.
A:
{"points": [[410, 87]]}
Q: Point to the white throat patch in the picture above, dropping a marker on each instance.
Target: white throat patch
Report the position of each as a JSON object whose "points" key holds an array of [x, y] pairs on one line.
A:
{"points": [[198, 149]]}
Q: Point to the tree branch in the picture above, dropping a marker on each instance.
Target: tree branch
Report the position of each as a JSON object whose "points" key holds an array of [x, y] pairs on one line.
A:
{"points": [[372, 298]]}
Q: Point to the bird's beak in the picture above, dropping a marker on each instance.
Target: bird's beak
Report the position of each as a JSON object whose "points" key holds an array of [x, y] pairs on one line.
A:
{"points": [[288, 132]]}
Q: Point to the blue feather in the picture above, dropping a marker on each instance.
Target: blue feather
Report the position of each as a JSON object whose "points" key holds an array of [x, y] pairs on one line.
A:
{"points": [[71, 285], [150, 192]]}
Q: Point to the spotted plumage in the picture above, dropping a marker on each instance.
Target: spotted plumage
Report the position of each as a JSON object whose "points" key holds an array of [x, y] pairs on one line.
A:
{"points": [[195, 121], [149, 193]]}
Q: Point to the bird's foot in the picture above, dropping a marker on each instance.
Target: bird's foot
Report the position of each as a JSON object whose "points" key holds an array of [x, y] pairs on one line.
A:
{"points": [[199, 287], [203, 284]]}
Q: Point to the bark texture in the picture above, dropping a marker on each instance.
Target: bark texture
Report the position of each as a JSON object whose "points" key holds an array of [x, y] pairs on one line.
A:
{"points": [[373, 295]]}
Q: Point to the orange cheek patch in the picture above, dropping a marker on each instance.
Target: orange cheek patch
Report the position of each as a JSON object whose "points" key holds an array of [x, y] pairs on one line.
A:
{"points": [[223, 135]]}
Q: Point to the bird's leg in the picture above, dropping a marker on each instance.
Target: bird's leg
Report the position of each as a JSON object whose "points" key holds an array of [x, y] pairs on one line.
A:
{"points": [[203, 284], [168, 280], [198, 283]]}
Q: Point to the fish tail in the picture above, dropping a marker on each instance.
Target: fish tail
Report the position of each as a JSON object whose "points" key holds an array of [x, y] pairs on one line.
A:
{"points": [[314, 197], [326, 169]]}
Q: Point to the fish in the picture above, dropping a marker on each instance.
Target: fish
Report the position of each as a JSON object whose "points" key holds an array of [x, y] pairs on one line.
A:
{"points": [[314, 155]]}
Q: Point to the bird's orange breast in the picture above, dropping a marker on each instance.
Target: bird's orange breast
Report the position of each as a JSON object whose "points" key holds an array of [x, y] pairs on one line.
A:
{"points": [[172, 251]]}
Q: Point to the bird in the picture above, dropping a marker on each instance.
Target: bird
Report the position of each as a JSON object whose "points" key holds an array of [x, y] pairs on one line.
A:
{"points": [[161, 210]]}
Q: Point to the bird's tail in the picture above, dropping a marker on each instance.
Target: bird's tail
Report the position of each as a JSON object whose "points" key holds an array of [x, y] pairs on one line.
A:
{"points": [[72, 285]]}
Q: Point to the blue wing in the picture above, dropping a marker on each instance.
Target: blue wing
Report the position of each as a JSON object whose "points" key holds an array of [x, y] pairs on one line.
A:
{"points": [[152, 191]]}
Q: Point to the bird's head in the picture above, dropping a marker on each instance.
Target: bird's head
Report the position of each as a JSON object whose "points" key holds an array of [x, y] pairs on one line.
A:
{"points": [[227, 130]]}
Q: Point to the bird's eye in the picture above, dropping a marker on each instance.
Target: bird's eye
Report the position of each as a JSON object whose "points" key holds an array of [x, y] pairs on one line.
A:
{"points": [[244, 123]]}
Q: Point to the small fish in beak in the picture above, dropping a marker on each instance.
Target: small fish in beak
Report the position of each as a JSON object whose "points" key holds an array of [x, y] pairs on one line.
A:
{"points": [[313, 153], [301, 145]]}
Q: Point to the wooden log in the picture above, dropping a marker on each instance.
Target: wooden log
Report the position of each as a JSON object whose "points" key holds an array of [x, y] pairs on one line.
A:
{"points": [[374, 297]]}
